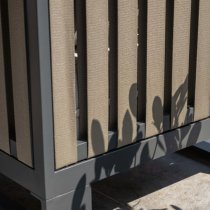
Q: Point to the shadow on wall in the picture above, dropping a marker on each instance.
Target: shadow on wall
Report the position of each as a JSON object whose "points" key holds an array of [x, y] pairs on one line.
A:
{"points": [[149, 150], [99, 145], [179, 102], [127, 133], [187, 136], [128, 136], [162, 144], [128, 127], [77, 203]]}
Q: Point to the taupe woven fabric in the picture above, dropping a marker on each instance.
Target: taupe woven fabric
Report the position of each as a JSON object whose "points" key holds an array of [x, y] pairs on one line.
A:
{"points": [[202, 90], [63, 81], [180, 62], [127, 70], [4, 133], [19, 80], [97, 76], [155, 66]]}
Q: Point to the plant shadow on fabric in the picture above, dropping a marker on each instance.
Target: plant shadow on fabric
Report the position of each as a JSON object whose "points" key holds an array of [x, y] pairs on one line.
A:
{"points": [[180, 138], [147, 150], [114, 165], [127, 138]]}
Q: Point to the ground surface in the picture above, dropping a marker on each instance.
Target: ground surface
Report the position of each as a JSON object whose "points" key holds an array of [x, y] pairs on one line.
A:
{"points": [[179, 181]]}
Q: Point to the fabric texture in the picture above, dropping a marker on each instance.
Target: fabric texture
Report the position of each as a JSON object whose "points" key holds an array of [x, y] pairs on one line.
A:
{"points": [[97, 75], [63, 81], [20, 80], [155, 66], [127, 71], [202, 89]]}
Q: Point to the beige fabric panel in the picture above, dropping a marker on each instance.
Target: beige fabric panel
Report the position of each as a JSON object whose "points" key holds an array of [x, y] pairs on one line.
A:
{"points": [[19, 80], [155, 66], [4, 132], [202, 90], [127, 71], [97, 76], [63, 81], [180, 62]]}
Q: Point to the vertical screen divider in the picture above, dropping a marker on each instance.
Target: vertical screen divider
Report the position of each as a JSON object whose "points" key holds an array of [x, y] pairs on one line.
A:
{"points": [[142, 61], [29, 77], [113, 63], [168, 64], [8, 70], [193, 52], [81, 67], [4, 130]]}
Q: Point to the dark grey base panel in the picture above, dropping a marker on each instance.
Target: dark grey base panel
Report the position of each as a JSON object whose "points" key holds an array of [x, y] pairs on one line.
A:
{"points": [[76, 200], [69, 179]]}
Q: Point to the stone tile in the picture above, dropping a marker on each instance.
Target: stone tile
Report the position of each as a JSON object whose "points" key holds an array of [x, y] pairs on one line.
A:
{"points": [[178, 181], [190, 193], [102, 202]]}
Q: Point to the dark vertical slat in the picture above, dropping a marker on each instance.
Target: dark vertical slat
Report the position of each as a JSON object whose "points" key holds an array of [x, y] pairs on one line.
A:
{"points": [[28, 63], [113, 65], [141, 69], [142, 60], [8, 72], [168, 63], [193, 52], [81, 67], [4, 131], [127, 71]]}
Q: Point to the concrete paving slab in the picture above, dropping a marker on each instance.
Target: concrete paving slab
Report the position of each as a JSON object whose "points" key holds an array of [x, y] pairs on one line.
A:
{"points": [[179, 181]]}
